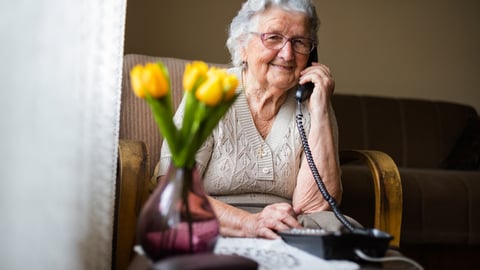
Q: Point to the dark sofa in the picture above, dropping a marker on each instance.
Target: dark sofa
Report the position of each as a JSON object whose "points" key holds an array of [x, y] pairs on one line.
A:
{"points": [[436, 146]]}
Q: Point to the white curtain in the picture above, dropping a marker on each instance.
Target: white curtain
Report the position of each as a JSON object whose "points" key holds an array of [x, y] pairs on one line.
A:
{"points": [[60, 72]]}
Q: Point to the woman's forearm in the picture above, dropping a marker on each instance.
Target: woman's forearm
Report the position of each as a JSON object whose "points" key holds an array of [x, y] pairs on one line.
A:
{"points": [[323, 144]]}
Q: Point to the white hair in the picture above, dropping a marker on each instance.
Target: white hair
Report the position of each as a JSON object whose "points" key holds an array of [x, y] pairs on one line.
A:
{"points": [[240, 25]]}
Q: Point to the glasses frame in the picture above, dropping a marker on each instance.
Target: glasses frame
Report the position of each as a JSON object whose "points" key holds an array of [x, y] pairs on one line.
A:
{"points": [[285, 41]]}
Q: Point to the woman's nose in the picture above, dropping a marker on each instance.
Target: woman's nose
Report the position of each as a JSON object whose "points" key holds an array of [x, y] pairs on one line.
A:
{"points": [[286, 52]]}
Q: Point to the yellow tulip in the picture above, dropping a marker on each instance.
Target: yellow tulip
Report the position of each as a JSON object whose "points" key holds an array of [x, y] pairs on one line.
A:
{"points": [[195, 72], [230, 83], [136, 81], [211, 91], [149, 78], [216, 72], [154, 80]]}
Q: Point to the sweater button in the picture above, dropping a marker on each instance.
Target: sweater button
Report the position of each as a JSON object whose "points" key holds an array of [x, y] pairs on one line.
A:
{"points": [[265, 170]]}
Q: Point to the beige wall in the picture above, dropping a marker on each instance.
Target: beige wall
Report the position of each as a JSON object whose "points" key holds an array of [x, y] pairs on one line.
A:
{"points": [[428, 49]]}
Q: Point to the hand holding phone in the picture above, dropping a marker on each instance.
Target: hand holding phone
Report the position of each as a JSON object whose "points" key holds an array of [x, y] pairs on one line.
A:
{"points": [[305, 90]]}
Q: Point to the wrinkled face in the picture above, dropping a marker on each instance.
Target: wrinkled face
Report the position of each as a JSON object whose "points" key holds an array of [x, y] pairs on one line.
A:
{"points": [[276, 68]]}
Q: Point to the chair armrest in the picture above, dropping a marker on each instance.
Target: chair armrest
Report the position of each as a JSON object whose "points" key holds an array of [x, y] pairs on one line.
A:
{"points": [[388, 189], [131, 192]]}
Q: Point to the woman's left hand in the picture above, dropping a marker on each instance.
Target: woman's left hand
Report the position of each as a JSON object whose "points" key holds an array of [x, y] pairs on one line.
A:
{"points": [[274, 217]]}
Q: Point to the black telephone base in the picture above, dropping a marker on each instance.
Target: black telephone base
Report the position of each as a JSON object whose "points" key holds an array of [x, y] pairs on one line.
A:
{"points": [[338, 245]]}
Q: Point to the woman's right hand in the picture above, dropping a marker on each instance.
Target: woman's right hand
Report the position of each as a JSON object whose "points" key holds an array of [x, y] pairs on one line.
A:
{"points": [[274, 217]]}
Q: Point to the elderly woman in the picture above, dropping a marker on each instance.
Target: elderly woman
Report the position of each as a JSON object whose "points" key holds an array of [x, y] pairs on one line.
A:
{"points": [[253, 165]]}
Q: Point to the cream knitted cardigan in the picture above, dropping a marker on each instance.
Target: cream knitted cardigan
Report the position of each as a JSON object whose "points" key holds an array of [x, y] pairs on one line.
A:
{"points": [[239, 166]]}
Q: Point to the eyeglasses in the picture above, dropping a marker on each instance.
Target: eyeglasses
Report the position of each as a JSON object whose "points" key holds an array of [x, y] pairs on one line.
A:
{"points": [[276, 42]]}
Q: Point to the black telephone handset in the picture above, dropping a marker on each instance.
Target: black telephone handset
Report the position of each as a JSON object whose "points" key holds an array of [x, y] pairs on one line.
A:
{"points": [[305, 90]]}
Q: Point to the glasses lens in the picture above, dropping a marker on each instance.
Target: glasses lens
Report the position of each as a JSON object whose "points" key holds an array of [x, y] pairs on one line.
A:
{"points": [[273, 41], [277, 41], [302, 45]]}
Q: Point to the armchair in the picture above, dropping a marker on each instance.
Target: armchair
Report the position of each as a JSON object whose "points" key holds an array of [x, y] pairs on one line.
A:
{"points": [[139, 150]]}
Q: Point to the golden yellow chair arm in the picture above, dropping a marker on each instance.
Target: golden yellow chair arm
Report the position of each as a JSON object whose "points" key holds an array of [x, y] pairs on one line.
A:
{"points": [[388, 189], [131, 192]]}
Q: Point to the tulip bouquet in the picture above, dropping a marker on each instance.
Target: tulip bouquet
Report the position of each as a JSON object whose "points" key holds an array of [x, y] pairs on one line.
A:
{"points": [[209, 93]]}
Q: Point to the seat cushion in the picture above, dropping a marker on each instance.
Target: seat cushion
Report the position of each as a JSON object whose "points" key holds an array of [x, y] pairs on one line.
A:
{"points": [[439, 206]]}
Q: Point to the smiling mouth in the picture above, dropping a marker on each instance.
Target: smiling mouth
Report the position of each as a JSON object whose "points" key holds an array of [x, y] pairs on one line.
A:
{"points": [[287, 68]]}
